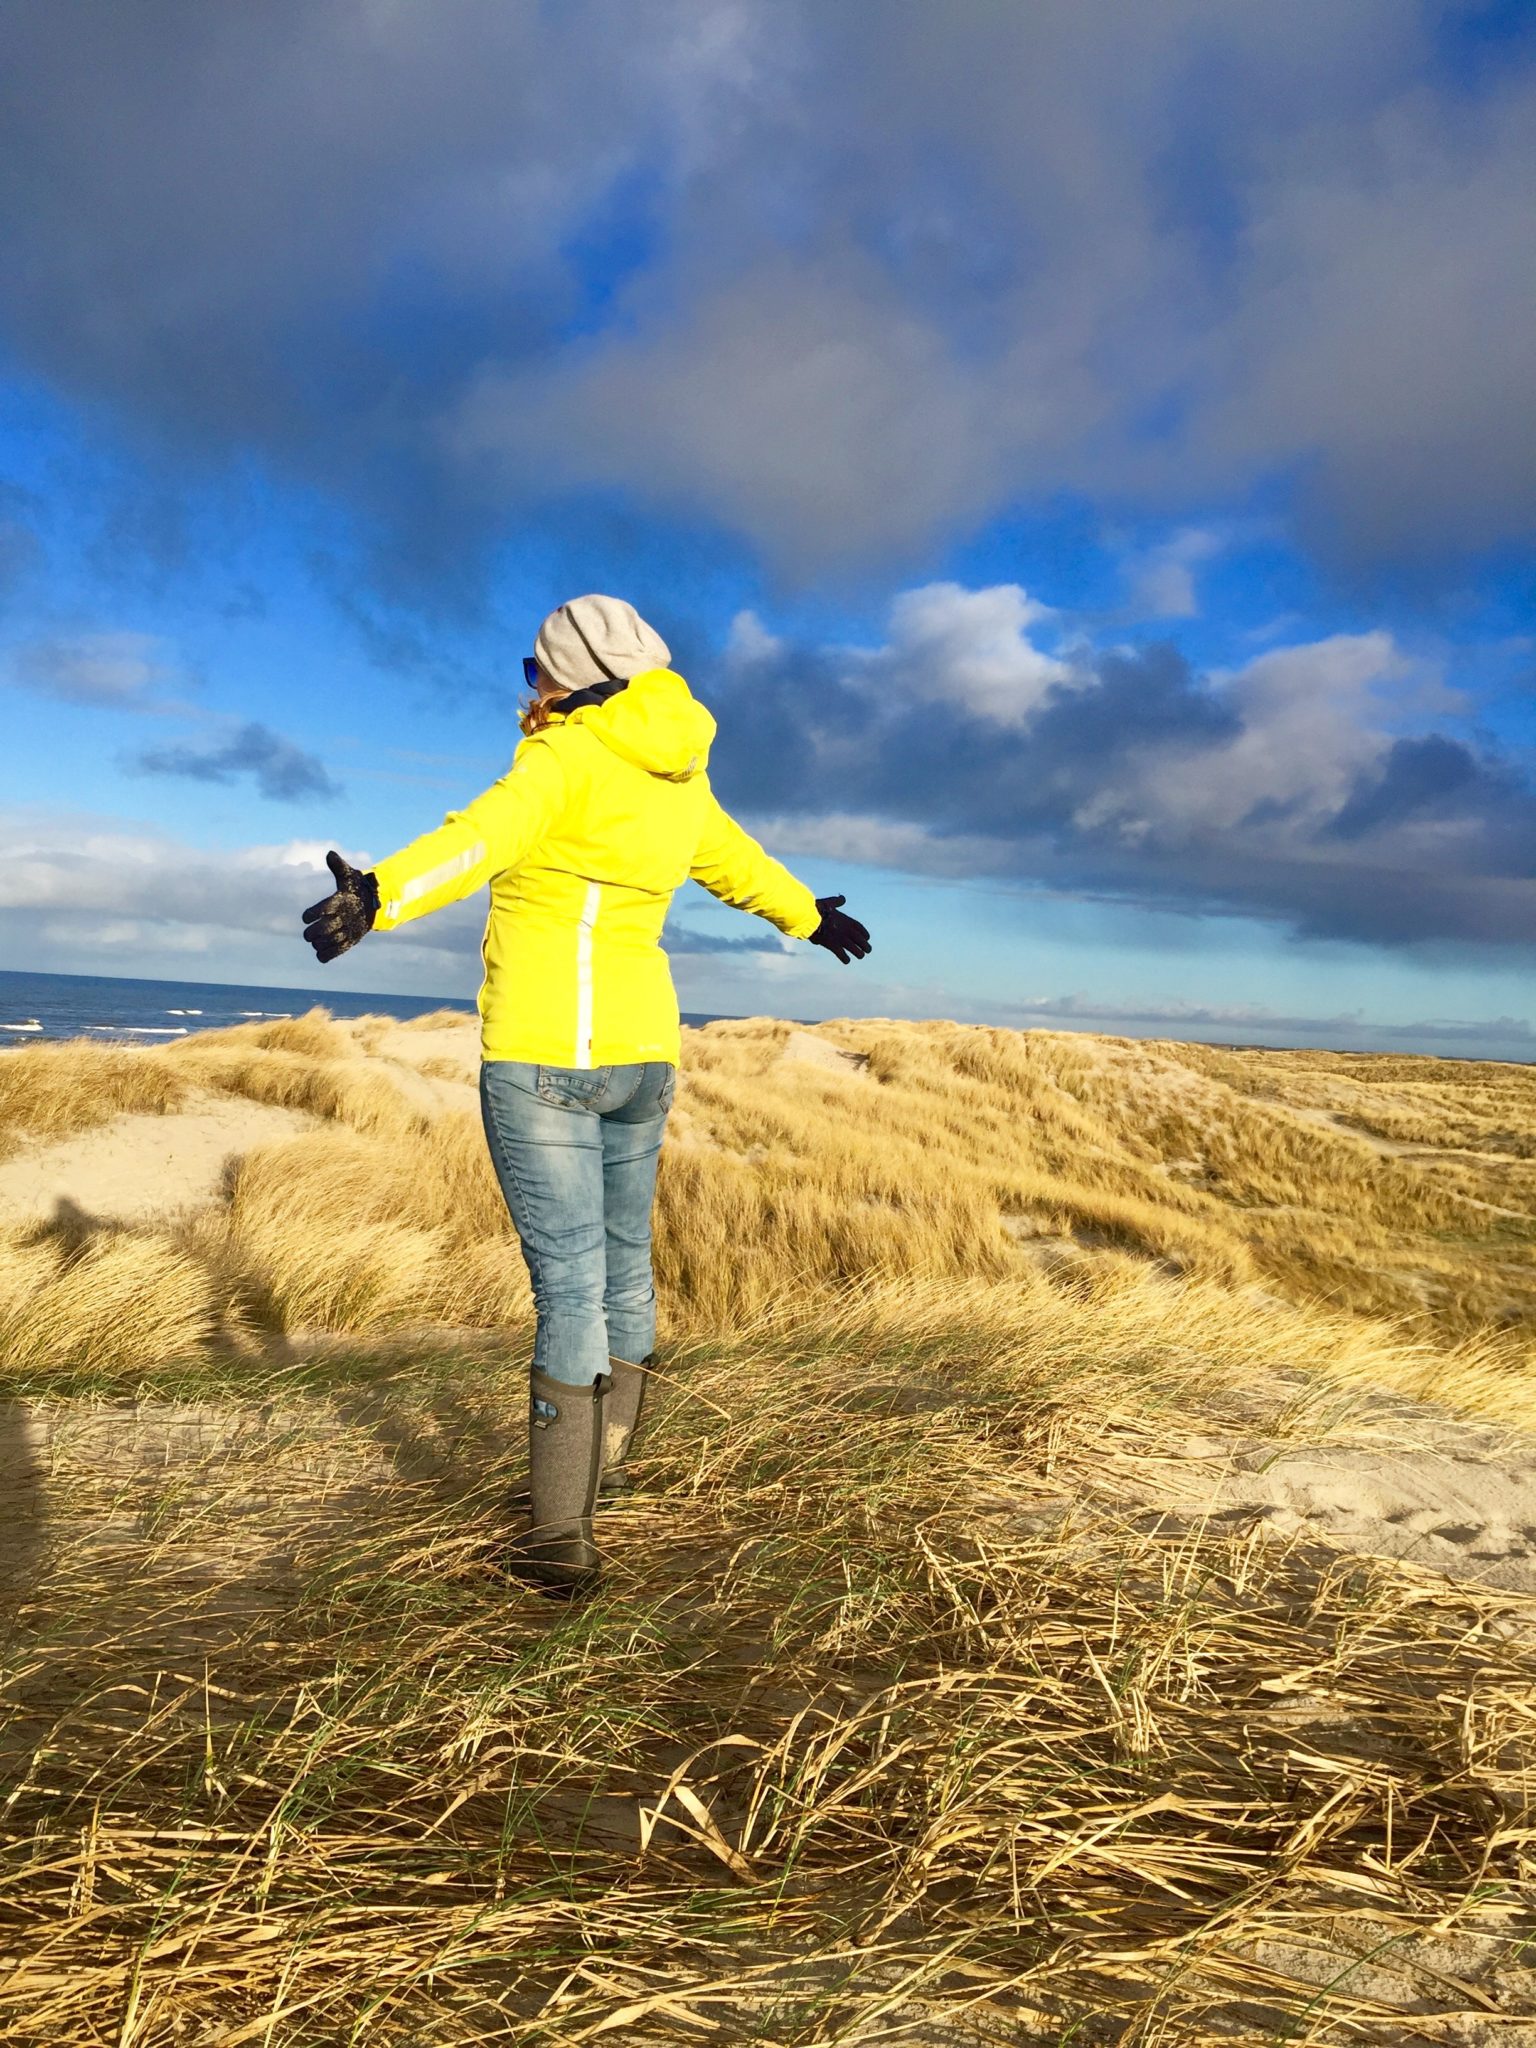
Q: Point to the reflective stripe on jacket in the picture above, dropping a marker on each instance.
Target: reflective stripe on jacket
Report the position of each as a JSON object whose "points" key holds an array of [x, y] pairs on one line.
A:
{"points": [[601, 817]]}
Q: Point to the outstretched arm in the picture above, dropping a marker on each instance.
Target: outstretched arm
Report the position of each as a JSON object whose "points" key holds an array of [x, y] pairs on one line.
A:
{"points": [[490, 834], [731, 865]]}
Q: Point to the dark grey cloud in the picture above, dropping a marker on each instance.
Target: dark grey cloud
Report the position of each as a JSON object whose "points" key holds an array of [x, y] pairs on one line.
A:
{"points": [[280, 769], [1142, 252], [1420, 778], [1276, 791], [684, 938], [840, 280], [1494, 1037], [299, 233]]}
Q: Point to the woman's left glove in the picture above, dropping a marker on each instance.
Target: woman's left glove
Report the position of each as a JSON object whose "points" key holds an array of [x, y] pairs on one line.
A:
{"points": [[346, 916], [840, 934]]}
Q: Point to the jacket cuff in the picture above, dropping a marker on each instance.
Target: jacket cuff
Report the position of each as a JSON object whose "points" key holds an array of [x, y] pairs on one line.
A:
{"points": [[804, 923], [388, 913]]}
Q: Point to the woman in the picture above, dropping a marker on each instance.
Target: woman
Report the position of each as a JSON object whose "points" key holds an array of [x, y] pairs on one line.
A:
{"points": [[605, 812]]}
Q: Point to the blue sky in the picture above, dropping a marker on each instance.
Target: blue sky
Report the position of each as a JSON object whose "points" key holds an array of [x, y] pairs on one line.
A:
{"points": [[1086, 457]]}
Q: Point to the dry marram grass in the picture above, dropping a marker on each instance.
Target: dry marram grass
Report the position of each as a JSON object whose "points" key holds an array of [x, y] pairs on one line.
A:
{"points": [[902, 1716], [937, 1150]]}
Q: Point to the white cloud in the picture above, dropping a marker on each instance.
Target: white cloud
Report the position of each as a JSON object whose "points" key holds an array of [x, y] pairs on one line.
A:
{"points": [[1307, 787], [127, 936], [896, 844], [750, 641], [87, 866], [945, 646], [74, 886], [1162, 580], [947, 642], [1311, 719]]}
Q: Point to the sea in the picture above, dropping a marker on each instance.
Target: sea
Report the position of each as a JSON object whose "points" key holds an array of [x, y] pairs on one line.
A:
{"points": [[43, 1006], [38, 1007]]}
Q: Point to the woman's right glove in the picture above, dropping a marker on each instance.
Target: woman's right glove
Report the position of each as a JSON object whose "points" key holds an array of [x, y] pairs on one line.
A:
{"points": [[841, 935], [338, 921]]}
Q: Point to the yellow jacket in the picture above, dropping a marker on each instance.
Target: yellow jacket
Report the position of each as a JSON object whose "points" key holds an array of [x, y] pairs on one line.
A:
{"points": [[601, 817]]}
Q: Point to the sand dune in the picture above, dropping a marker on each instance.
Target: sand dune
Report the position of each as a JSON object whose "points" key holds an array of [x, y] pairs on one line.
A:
{"points": [[140, 1167], [1451, 1495]]}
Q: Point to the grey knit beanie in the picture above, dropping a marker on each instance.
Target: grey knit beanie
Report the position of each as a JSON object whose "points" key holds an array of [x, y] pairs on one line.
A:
{"points": [[597, 639]]}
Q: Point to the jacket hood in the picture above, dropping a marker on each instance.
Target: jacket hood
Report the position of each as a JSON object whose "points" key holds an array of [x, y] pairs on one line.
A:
{"points": [[655, 721]]}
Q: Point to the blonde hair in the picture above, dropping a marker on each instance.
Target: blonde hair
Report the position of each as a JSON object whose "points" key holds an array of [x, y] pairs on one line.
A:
{"points": [[534, 715]]}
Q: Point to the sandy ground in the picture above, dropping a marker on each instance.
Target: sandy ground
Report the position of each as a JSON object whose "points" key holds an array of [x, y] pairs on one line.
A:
{"points": [[141, 1166], [1409, 1481], [459, 1043], [810, 1050], [427, 1066]]}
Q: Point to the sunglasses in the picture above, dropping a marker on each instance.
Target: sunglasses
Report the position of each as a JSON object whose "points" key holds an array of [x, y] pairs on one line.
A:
{"points": [[531, 671]]}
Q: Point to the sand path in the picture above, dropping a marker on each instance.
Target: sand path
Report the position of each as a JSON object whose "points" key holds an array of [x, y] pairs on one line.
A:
{"points": [[141, 1166], [1397, 1148]]}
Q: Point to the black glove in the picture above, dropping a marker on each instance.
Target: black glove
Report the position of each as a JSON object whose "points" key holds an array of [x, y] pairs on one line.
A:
{"points": [[339, 921], [841, 935]]}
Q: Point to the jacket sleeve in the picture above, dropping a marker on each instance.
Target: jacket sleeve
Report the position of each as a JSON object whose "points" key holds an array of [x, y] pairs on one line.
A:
{"points": [[731, 865], [494, 832]]}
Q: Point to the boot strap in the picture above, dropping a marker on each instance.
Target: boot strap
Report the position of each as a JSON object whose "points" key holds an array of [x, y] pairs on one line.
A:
{"points": [[600, 1388]]}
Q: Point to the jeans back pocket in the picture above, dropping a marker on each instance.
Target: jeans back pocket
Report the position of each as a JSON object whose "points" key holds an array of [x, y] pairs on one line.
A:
{"points": [[573, 1087]]}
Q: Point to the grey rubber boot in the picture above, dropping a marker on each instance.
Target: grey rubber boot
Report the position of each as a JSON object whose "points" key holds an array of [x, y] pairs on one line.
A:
{"points": [[566, 1431], [626, 1397]]}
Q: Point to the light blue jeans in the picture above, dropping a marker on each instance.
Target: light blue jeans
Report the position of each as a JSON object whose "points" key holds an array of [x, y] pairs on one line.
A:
{"points": [[575, 1151]]}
